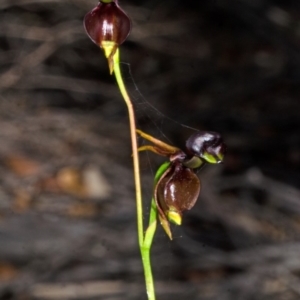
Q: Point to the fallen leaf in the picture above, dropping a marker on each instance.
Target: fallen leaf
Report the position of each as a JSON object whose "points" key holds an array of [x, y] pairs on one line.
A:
{"points": [[95, 183], [21, 165], [69, 179]]}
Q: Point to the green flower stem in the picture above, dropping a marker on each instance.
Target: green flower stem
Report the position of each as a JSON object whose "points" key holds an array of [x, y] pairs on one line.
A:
{"points": [[145, 249], [135, 156], [144, 244]]}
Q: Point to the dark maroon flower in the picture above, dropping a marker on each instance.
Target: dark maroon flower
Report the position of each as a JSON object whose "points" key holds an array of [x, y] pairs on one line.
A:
{"points": [[108, 26], [177, 186], [107, 22]]}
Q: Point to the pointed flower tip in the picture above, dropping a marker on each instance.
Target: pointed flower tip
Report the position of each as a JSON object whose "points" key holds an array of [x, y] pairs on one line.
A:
{"points": [[174, 217], [165, 225], [110, 49], [107, 22], [111, 67]]}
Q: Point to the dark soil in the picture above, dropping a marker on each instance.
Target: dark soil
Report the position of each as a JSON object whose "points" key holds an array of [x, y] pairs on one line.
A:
{"points": [[67, 210]]}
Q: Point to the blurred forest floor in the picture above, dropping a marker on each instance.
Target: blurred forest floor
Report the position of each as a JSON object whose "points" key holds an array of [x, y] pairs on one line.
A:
{"points": [[67, 211]]}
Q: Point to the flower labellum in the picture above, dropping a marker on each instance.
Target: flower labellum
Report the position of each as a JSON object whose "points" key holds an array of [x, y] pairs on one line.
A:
{"points": [[108, 26], [177, 190]]}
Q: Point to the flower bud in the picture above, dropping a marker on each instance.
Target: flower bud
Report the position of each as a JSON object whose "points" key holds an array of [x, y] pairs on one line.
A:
{"points": [[108, 26]]}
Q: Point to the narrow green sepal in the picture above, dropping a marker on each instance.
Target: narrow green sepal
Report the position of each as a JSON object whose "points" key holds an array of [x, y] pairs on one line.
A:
{"points": [[161, 170]]}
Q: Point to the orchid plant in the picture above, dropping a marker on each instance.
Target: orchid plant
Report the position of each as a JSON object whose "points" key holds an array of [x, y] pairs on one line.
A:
{"points": [[176, 185]]}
